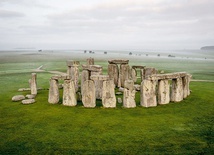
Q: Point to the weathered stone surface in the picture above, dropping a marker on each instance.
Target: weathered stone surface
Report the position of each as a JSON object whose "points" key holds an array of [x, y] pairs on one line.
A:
{"points": [[119, 61], [99, 77], [24, 89], [113, 72], [142, 74], [129, 84], [134, 74], [28, 101], [167, 76], [139, 67], [53, 96], [118, 93], [137, 87], [98, 85], [163, 92], [88, 94], [60, 86], [186, 81], [119, 100], [69, 93], [149, 72], [84, 76], [90, 61], [121, 89], [72, 63], [30, 96], [93, 68], [108, 94], [75, 77], [177, 92], [33, 85], [129, 98], [18, 98], [148, 94], [124, 73]]}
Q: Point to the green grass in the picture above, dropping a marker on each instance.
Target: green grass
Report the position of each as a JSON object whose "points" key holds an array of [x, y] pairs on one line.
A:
{"points": [[43, 128]]}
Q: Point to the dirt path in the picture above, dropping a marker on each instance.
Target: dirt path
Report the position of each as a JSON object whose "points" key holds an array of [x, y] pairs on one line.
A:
{"points": [[39, 69]]}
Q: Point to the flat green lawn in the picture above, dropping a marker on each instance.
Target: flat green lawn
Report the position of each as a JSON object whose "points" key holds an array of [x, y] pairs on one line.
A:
{"points": [[42, 128]]}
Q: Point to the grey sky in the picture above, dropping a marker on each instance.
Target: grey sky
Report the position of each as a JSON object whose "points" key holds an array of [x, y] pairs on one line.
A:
{"points": [[106, 24]]}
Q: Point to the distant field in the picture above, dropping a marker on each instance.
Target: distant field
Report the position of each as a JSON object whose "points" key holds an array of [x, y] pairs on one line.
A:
{"points": [[41, 128]]}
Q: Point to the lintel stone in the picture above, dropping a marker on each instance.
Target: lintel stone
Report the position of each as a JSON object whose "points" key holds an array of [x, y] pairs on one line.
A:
{"points": [[93, 68], [99, 77], [118, 61]]}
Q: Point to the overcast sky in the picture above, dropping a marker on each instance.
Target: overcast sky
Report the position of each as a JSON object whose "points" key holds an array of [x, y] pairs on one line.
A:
{"points": [[106, 24]]}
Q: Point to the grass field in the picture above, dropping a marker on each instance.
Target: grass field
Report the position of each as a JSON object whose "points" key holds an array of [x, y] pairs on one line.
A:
{"points": [[41, 128]]}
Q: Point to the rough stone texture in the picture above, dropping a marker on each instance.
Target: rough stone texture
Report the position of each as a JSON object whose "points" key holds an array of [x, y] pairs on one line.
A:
{"points": [[88, 94], [119, 100], [113, 72], [148, 93], [137, 87], [186, 81], [18, 98], [108, 94], [92, 68], [119, 61], [33, 85], [23, 89], [121, 89], [134, 74], [53, 96], [142, 75], [99, 77], [90, 61], [149, 71], [129, 84], [30, 96], [72, 63], [84, 76], [75, 77], [167, 76], [163, 92], [69, 93], [28, 101], [98, 85], [177, 92], [129, 98], [124, 73]]}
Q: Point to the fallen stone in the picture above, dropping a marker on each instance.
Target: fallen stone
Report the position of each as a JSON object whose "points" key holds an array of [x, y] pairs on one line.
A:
{"points": [[30, 96], [119, 93], [137, 87], [119, 61], [121, 89], [28, 101], [119, 100], [24, 89], [60, 86], [18, 98]]}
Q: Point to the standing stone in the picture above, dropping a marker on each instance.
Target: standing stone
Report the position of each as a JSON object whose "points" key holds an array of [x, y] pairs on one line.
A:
{"points": [[75, 76], [108, 94], [53, 96], [85, 76], [88, 94], [98, 85], [134, 74], [177, 92], [124, 73], [163, 92], [90, 61], [113, 72], [186, 81], [148, 94], [142, 75], [129, 94], [149, 71], [69, 93], [33, 84]]}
